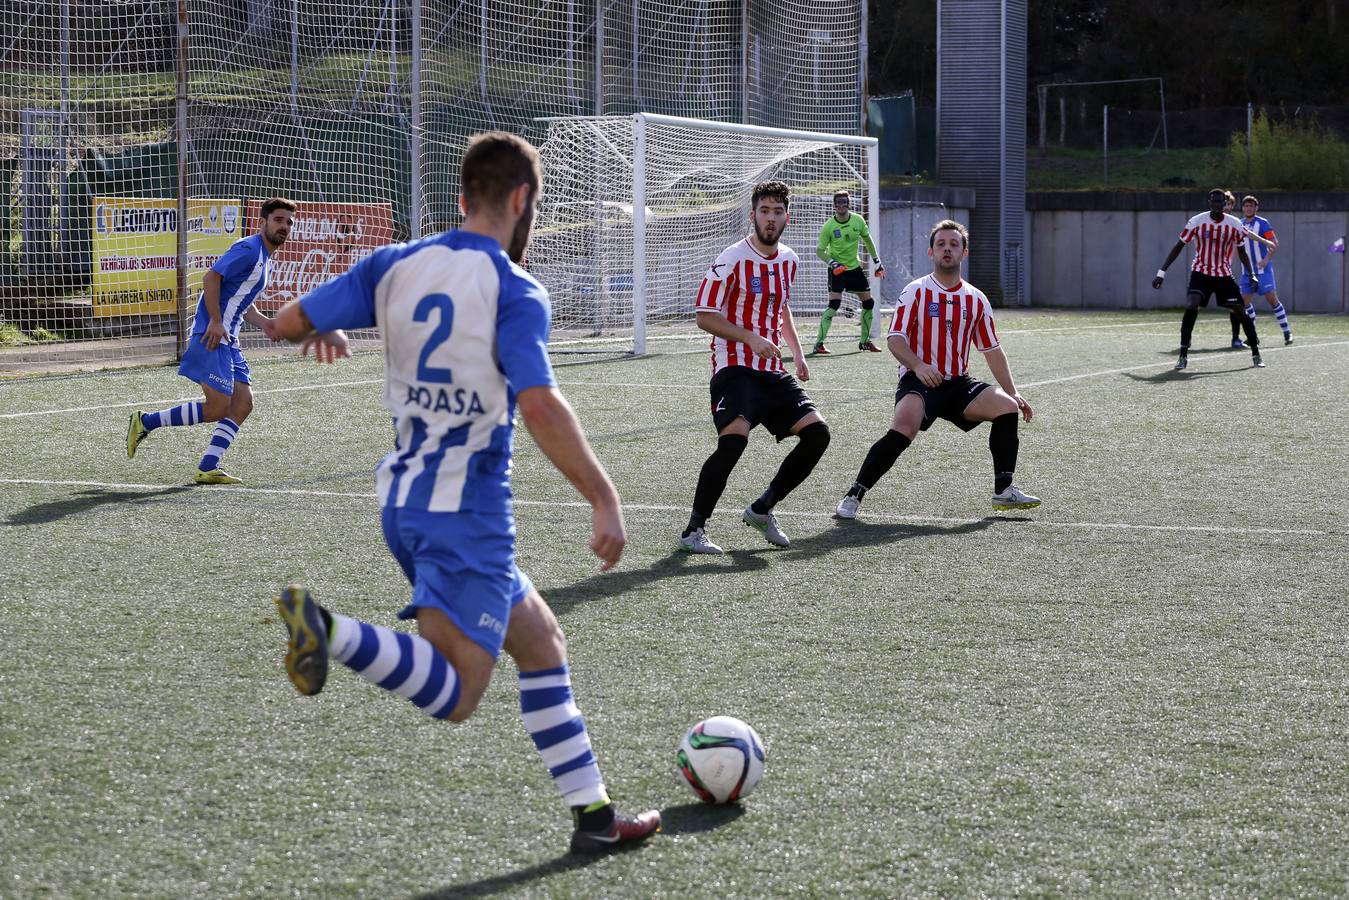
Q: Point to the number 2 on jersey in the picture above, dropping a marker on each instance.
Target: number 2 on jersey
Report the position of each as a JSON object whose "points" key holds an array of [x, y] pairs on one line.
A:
{"points": [[440, 335]]}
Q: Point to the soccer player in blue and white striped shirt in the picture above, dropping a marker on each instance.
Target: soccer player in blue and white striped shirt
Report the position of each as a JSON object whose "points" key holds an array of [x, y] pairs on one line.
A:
{"points": [[1261, 280], [212, 358], [465, 340]]}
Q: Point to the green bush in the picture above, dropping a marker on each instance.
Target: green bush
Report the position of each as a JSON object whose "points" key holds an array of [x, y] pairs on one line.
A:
{"points": [[1298, 155]]}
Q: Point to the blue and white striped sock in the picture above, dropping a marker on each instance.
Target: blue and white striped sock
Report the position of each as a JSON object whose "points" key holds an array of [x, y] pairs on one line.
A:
{"points": [[1250, 311], [558, 731], [1282, 315], [406, 664], [225, 432], [182, 414]]}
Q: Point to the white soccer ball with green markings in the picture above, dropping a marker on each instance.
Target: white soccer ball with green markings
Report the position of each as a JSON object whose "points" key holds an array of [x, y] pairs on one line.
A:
{"points": [[722, 759]]}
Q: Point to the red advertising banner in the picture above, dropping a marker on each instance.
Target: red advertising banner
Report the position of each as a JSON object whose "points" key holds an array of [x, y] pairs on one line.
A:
{"points": [[326, 240]]}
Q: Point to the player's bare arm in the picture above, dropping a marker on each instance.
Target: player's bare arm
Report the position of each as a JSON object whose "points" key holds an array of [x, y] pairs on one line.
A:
{"points": [[293, 324], [557, 431], [1002, 373], [715, 323], [210, 294], [1170, 258], [1245, 259], [254, 316], [794, 342], [1259, 238], [900, 349]]}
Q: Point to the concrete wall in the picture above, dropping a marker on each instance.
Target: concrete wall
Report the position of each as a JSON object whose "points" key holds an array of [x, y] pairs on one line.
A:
{"points": [[907, 215], [1102, 250]]}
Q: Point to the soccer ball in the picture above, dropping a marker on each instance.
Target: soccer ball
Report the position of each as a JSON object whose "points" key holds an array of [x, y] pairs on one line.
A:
{"points": [[722, 759]]}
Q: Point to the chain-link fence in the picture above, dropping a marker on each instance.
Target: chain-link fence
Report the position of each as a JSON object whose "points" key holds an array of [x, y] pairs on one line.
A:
{"points": [[358, 109]]}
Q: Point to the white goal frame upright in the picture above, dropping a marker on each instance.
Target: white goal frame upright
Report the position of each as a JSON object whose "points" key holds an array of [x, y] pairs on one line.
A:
{"points": [[642, 123]]}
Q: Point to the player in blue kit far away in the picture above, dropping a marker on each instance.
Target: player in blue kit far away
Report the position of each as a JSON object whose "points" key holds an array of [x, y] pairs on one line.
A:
{"points": [[212, 358], [466, 340]]}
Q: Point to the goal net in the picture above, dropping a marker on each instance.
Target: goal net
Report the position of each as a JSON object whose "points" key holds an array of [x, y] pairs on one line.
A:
{"points": [[635, 208], [138, 137]]}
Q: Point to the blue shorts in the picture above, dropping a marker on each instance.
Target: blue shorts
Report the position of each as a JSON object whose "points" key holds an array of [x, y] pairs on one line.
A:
{"points": [[1264, 284], [216, 369], [461, 563]]}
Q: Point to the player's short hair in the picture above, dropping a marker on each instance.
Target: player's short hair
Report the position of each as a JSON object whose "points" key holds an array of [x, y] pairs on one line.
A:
{"points": [[1230, 196], [1217, 192], [948, 225], [495, 164], [841, 195], [774, 190], [276, 203], [1250, 199]]}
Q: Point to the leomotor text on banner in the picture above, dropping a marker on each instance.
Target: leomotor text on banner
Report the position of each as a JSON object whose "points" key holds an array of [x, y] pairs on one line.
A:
{"points": [[135, 250], [325, 240]]}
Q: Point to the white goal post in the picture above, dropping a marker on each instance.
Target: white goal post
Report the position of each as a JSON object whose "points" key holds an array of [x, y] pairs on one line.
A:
{"points": [[635, 208]]}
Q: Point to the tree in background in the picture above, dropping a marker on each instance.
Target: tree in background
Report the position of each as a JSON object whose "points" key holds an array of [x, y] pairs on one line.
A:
{"points": [[1211, 52]]}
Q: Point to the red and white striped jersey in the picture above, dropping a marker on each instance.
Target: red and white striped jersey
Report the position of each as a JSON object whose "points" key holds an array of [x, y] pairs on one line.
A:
{"points": [[1214, 242], [750, 290], [941, 323]]}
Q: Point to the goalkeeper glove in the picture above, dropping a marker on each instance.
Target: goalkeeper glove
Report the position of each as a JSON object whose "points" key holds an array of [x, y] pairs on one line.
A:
{"points": [[880, 269], [836, 267]]}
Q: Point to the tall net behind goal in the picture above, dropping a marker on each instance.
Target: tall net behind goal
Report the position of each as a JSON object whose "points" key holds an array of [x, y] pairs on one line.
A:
{"points": [[635, 208]]}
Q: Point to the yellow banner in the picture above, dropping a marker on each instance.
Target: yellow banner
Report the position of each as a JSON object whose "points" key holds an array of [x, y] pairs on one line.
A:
{"points": [[135, 249]]}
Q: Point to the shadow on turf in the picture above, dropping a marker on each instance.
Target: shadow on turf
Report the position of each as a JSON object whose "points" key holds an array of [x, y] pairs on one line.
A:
{"points": [[42, 513], [690, 818], [853, 533], [620, 581], [1183, 374]]}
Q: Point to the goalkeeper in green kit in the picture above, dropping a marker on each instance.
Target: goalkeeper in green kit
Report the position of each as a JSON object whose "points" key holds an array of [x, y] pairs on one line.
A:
{"points": [[838, 248]]}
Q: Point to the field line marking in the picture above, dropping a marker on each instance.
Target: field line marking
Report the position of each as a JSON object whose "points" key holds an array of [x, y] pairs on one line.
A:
{"points": [[145, 403], [666, 508], [619, 384], [1168, 364]]}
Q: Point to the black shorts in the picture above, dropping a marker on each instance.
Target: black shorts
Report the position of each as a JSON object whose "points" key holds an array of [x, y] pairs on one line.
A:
{"points": [[772, 399], [1222, 288], [854, 280], [945, 401]]}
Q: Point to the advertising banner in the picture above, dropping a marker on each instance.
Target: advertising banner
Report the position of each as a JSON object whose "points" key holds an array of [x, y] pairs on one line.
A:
{"points": [[326, 240], [135, 250]]}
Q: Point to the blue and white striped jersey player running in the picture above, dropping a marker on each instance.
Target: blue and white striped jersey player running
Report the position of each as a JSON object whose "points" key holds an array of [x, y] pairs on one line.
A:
{"points": [[212, 358], [465, 339]]}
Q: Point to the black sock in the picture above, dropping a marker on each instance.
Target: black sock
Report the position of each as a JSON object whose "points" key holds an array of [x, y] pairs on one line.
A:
{"points": [[1252, 339], [601, 819], [796, 467], [1236, 324], [857, 490], [1003, 443], [880, 458], [712, 478], [1187, 327], [767, 500]]}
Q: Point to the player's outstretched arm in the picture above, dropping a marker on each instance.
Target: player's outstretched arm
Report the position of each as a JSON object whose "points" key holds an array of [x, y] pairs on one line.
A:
{"points": [[1002, 373], [557, 431], [292, 324], [255, 316], [1170, 258]]}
